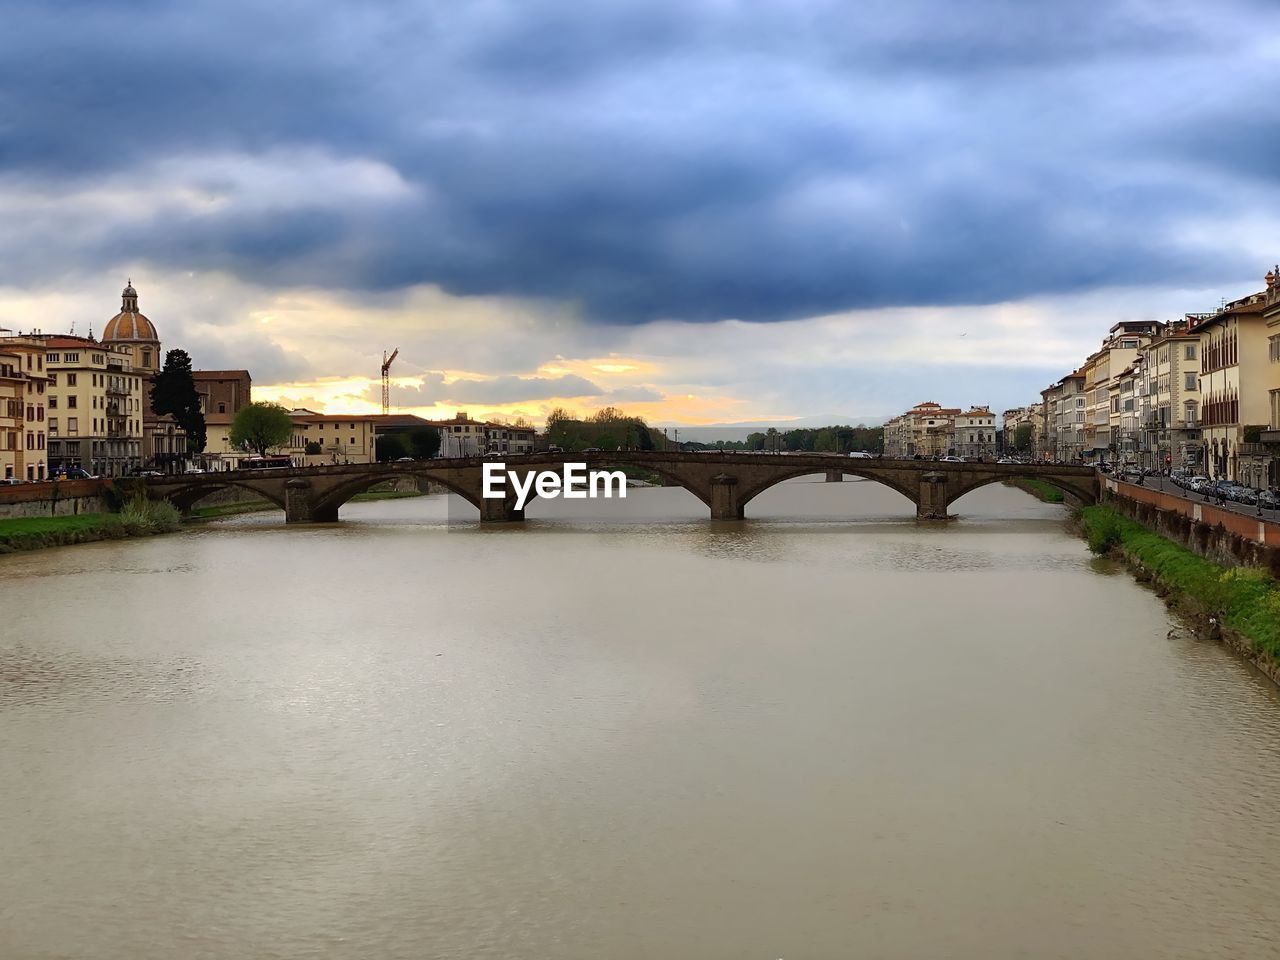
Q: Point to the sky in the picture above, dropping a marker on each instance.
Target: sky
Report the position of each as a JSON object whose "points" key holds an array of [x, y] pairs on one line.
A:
{"points": [[699, 211]]}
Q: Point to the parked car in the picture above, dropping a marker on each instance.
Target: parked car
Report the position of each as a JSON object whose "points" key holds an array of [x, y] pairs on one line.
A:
{"points": [[861, 455], [951, 460]]}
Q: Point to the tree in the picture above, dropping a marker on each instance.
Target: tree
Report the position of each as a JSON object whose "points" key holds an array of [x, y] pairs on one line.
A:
{"points": [[173, 392], [260, 426], [388, 447], [1022, 437], [423, 443], [313, 448]]}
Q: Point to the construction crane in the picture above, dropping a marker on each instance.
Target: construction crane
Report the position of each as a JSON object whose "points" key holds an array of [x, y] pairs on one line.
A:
{"points": [[386, 379]]}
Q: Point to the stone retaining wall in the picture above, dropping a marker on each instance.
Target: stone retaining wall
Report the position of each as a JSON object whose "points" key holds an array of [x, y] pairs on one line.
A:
{"points": [[1223, 536]]}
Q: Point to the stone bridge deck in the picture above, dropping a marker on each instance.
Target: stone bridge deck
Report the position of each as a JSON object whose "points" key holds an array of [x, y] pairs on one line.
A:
{"points": [[725, 482]]}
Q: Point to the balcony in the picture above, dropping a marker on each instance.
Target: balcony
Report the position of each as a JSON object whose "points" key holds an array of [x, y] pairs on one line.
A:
{"points": [[116, 389], [1269, 436]]}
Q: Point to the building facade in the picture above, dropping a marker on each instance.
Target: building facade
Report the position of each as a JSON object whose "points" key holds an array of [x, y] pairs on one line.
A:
{"points": [[974, 434], [95, 402], [1234, 375], [23, 437], [1169, 366]]}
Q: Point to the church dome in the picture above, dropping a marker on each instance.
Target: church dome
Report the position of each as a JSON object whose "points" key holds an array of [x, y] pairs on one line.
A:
{"points": [[129, 324]]}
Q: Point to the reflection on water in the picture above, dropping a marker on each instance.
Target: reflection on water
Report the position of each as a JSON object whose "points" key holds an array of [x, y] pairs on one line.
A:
{"points": [[623, 731]]}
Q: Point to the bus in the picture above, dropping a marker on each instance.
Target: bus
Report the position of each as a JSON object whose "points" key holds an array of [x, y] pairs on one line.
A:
{"points": [[265, 463]]}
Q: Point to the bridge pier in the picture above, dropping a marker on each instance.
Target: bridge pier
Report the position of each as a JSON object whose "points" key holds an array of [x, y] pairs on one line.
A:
{"points": [[724, 498], [499, 511], [835, 476], [300, 505], [933, 500]]}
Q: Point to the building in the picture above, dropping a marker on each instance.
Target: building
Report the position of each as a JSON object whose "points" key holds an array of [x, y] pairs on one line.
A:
{"points": [[1027, 421], [1118, 351], [462, 437], [1169, 391], [1126, 413], [331, 438], [95, 402], [927, 430], [974, 434], [222, 395], [23, 439], [517, 438], [1270, 438], [1065, 411], [1235, 375]]}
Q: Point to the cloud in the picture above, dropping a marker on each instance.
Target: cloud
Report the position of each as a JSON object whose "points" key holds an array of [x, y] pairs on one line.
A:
{"points": [[695, 161]]}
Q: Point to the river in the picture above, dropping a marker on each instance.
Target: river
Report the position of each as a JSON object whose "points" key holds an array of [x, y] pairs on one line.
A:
{"points": [[625, 732]]}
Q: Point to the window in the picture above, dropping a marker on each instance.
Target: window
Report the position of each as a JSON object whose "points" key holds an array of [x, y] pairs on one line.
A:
{"points": [[353, 440], [1191, 352], [53, 403], [53, 379], [222, 408], [71, 358], [71, 379], [1190, 382], [72, 401], [53, 358], [1274, 345]]}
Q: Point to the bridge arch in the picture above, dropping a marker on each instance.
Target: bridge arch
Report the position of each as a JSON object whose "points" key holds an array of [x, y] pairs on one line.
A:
{"points": [[336, 496], [187, 495], [1073, 487], [673, 477], [748, 494]]}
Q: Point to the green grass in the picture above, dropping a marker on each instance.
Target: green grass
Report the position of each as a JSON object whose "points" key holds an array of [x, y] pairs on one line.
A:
{"points": [[34, 533], [1244, 599], [1038, 489], [137, 518]]}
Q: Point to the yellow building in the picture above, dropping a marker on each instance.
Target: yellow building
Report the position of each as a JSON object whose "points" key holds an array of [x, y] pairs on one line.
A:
{"points": [[1270, 438], [22, 410], [1234, 378], [340, 437], [95, 406]]}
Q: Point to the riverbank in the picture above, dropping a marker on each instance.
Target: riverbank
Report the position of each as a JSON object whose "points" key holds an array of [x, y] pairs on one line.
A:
{"points": [[1037, 488], [38, 533], [139, 518], [1239, 605]]}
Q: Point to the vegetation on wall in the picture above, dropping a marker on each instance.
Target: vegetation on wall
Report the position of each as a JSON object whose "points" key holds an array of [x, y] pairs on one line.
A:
{"points": [[1243, 599]]}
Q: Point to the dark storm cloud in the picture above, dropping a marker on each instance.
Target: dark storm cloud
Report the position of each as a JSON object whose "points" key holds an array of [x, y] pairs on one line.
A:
{"points": [[665, 159]]}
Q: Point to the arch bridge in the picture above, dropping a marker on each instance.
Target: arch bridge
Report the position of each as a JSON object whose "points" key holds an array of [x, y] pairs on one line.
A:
{"points": [[725, 482]]}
